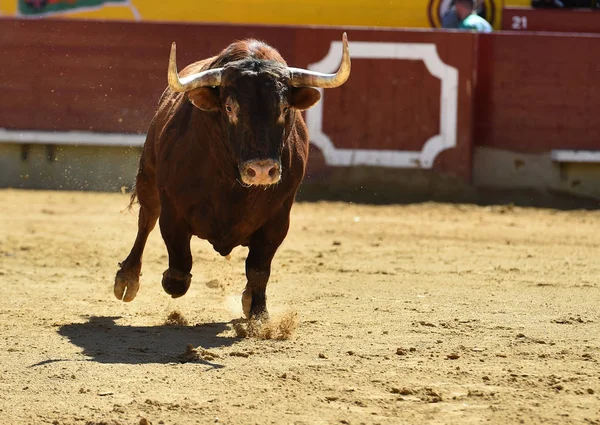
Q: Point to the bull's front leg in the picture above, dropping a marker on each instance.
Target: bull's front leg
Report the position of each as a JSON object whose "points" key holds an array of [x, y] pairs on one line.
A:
{"points": [[262, 247], [176, 235]]}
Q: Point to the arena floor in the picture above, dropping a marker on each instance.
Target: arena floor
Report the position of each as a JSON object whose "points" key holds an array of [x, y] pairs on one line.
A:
{"points": [[418, 314]]}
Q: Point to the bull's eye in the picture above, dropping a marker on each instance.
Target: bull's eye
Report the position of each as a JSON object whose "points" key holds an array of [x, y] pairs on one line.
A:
{"points": [[285, 109], [229, 109]]}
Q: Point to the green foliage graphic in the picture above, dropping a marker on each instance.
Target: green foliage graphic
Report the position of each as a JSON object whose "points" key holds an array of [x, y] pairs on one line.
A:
{"points": [[42, 7]]}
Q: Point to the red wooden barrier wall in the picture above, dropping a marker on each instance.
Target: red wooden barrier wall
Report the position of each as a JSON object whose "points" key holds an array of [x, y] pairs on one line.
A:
{"points": [[538, 92], [552, 20], [413, 96], [107, 77]]}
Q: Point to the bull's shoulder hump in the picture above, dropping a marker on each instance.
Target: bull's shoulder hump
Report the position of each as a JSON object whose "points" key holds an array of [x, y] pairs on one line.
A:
{"points": [[248, 49]]}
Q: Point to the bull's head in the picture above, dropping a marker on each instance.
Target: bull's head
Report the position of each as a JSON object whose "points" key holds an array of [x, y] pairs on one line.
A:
{"points": [[258, 101]]}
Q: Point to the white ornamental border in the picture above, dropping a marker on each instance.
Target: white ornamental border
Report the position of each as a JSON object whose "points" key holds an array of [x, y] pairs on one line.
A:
{"points": [[446, 139]]}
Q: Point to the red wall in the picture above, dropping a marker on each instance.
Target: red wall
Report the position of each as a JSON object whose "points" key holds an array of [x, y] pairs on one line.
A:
{"points": [[538, 92], [98, 76], [553, 20], [107, 77], [522, 92]]}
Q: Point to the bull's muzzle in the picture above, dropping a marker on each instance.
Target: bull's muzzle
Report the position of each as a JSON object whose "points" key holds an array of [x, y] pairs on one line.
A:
{"points": [[260, 172]]}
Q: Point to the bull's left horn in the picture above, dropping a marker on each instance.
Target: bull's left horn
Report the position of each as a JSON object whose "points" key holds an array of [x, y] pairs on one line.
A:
{"points": [[208, 78], [304, 78]]}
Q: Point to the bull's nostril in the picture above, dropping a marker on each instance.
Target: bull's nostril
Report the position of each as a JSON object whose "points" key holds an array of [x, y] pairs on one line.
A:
{"points": [[273, 172], [250, 172]]}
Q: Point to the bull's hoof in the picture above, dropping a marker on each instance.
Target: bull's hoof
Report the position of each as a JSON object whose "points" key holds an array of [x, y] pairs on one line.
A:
{"points": [[254, 306], [175, 283], [127, 284]]}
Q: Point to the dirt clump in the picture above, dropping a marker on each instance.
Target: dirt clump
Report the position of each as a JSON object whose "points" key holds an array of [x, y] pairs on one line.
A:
{"points": [[175, 318], [280, 329], [194, 354]]}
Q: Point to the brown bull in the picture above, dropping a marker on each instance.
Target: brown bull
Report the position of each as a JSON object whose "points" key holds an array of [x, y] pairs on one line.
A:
{"points": [[223, 159]]}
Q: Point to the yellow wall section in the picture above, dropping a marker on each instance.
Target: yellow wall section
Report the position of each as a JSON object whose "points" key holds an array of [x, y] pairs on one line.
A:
{"points": [[106, 12], [8, 7], [408, 13], [315, 12], [380, 13]]}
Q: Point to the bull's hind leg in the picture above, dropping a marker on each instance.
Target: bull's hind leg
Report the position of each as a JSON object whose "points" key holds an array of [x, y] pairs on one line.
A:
{"points": [[127, 281], [262, 247], [176, 234]]}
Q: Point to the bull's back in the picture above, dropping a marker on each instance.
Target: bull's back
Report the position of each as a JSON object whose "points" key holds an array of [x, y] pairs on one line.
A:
{"points": [[246, 49]]}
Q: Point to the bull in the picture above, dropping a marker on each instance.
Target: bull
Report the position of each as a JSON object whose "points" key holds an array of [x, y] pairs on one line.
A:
{"points": [[223, 159]]}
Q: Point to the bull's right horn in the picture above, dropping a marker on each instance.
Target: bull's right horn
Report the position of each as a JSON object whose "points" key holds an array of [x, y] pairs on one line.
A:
{"points": [[305, 78], [208, 78]]}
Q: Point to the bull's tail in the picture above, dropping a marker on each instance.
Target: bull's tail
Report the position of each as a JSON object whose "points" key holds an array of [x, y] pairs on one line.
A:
{"points": [[132, 199]]}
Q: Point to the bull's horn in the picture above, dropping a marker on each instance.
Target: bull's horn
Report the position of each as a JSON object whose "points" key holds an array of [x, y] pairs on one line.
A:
{"points": [[304, 78], [208, 78]]}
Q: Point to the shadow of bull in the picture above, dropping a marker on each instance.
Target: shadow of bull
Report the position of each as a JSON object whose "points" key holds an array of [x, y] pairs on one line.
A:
{"points": [[104, 341]]}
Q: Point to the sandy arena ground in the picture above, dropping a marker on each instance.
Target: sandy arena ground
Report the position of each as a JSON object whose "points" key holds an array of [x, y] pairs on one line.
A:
{"points": [[417, 314]]}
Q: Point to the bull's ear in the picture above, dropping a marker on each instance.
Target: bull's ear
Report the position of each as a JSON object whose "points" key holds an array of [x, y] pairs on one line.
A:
{"points": [[205, 98], [304, 97]]}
